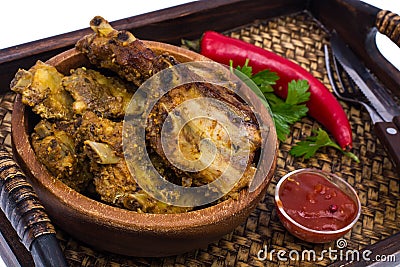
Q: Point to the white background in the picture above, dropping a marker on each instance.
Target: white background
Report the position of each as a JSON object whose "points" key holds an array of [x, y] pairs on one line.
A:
{"points": [[24, 21]]}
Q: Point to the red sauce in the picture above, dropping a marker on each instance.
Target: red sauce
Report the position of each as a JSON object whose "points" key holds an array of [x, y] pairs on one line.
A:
{"points": [[316, 203]]}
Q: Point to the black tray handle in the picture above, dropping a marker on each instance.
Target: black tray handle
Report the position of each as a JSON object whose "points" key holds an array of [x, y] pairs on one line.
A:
{"points": [[388, 23], [26, 214]]}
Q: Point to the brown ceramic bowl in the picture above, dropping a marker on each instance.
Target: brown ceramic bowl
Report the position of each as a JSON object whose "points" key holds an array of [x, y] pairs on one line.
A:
{"points": [[122, 231]]}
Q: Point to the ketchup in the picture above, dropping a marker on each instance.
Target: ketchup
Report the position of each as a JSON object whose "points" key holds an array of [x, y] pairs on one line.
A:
{"points": [[316, 203]]}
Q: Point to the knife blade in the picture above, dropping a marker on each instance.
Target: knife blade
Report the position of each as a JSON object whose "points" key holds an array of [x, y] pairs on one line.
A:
{"points": [[388, 127], [378, 97]]}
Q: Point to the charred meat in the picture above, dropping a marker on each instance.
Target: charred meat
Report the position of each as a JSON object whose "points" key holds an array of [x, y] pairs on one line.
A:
{"points": [[111, 177], [41, 88], [57, 149], [121, 52], [79, 138], [55, 96], [93, 91], [235, 122]]}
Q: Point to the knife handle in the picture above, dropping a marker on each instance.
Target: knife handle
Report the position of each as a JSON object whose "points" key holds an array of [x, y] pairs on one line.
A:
{"points": [[389, 135], [388, 23]]}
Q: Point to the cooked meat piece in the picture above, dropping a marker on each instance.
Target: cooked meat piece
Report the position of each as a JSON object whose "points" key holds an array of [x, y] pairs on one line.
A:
{"points": [[81, 143], [121, 52], [41, 89], [229, 126], [116, 186], [93, 91], [112, 179], [129, 57], [101, 130], [244, 182], [56, 149]]}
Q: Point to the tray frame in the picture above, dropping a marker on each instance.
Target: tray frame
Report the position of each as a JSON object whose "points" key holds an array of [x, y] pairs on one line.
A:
{"points": [[220, 15]]}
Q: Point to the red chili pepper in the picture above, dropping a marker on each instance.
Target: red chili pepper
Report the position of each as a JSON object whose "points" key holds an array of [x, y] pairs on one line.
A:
{"points": [[322, 105]]}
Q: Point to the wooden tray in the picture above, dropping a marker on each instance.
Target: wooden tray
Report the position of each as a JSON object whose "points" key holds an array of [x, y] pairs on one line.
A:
{"points": [[296, 29]]}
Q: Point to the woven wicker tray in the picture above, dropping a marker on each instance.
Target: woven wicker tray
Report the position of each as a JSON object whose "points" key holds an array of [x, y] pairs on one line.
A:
{"points": [[299, 37]]}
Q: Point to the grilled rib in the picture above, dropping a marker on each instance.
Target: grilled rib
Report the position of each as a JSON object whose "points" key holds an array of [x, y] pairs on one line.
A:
{"points": [[121, 52]]}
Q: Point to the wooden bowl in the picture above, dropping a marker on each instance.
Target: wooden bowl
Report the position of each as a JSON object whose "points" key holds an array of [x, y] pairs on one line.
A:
{"points": [[122, 231]]}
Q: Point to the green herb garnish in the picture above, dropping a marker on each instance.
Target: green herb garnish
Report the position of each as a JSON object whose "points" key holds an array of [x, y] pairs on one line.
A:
{"points": [[286, 112], [310, 146]]}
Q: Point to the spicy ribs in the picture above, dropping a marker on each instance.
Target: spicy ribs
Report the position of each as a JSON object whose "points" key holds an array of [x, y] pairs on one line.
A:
{"points": [[82, 116]]}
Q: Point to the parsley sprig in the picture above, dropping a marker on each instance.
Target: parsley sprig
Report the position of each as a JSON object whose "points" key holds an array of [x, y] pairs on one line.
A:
{"points": [[286, 112], [310, 146]]}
